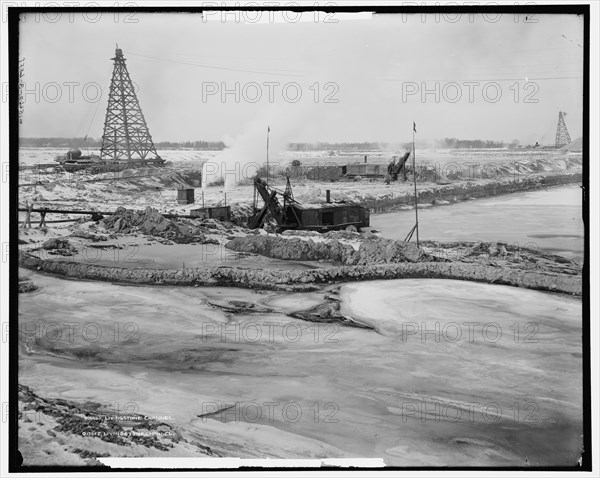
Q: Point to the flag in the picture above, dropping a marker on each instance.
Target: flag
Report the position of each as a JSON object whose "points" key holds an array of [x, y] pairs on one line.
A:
{"points": [[268, 129], [414, 127]]}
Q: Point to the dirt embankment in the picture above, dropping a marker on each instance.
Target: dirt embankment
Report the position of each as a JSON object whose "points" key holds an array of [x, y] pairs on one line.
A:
{"points": [[376, 250], [292, 249], [464, 190], [306, 280], [373, 249], [153, 223]]}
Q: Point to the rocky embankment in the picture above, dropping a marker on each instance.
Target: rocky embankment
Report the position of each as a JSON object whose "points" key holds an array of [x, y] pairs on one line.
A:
{"points": [[306, 280], [375, 250], [372, 249], [465, 190]]}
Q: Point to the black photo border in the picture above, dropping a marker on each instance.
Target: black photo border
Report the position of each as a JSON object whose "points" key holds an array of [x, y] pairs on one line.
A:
{"points": [[15, 459]]}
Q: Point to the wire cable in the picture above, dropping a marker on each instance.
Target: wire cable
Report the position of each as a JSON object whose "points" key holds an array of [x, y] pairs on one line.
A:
{"points": [[200, 65]]}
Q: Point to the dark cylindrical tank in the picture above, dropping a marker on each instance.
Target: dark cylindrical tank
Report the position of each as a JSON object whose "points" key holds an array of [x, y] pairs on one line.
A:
{"points": [[74, 153]]}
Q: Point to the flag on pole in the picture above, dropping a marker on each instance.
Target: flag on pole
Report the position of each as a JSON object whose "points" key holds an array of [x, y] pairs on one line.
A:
{"points": [[414, 127]]}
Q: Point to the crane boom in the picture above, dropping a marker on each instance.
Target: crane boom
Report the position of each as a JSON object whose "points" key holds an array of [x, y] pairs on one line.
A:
{"points": [[272, 205], [395, 168]]}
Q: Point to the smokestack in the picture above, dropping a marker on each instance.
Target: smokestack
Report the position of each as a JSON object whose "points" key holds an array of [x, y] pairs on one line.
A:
{"points": [[327, 195]]}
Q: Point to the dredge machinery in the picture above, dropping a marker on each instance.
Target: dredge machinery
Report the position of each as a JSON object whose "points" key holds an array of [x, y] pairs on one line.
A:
{"points": [[290, 214]]}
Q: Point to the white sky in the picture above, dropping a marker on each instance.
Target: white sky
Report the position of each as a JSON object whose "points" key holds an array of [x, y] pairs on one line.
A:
{"points": [[370, 62]]}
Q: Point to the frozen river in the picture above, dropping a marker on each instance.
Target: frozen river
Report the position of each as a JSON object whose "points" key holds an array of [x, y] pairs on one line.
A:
{"points": [[457, 373], [546, 219]]}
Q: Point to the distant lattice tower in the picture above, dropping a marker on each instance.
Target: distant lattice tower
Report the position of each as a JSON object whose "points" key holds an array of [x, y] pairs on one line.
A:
{"points": [[126, 135], [562, 134]]}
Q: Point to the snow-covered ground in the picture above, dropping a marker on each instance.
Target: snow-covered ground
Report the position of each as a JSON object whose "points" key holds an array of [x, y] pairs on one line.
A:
{"points": [[33, 156], [158, 187]]}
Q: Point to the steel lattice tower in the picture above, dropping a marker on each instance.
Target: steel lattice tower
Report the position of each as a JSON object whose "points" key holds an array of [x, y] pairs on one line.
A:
{"points": [[562, 134], [126, 135]]}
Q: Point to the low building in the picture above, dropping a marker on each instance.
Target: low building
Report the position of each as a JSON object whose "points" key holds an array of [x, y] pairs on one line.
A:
{"points": [[324, 173], [328, 216], [366, 170]]}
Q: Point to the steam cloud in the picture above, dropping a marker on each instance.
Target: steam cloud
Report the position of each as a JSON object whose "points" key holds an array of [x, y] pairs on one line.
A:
{"points": [[248, 151]]}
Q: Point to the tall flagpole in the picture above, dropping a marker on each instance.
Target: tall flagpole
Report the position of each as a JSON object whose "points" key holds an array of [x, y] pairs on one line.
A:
{"points": [[268, 131], [415, 183]]}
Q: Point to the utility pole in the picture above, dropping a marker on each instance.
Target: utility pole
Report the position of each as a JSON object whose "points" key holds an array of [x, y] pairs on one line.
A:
{"points": [[268, 131], [416, 226], [415, 183]]}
